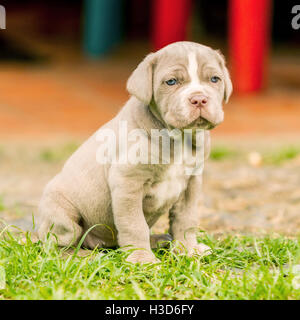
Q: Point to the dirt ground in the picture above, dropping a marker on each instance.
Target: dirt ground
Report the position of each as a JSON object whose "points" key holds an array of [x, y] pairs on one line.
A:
{"points": [[47, 110]]}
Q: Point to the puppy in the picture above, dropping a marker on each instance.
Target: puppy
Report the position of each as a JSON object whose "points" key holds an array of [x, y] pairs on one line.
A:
{"points": [[180, 86]]}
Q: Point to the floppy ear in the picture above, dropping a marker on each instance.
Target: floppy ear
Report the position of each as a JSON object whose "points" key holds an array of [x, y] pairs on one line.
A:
{"points": [[227, 80], [140, 83]]}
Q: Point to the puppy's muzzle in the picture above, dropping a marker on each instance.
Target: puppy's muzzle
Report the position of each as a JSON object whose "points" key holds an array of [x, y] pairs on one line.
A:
{"points": [[198, 100]]}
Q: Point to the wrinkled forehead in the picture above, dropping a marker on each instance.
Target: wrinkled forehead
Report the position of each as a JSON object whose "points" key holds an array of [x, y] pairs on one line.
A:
{"points": [[186, 57]]}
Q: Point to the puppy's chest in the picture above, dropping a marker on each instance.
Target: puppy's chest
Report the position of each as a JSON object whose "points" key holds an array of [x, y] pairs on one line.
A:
{"points": [[166, 190]]}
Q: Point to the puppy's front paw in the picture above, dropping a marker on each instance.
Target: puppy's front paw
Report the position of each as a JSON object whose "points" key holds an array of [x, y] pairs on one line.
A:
{"points": [[142, 256], [190, 250], [199, 249]]}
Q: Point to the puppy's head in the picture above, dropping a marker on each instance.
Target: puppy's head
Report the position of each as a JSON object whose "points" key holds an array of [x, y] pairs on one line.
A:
{"points": [[186, 83]]}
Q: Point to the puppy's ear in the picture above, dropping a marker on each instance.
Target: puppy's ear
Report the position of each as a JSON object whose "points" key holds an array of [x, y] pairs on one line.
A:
{"points": [[227, 80], [140, 83]]}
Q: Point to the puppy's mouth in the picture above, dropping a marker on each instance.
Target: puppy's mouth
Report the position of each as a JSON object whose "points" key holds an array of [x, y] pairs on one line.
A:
{"points": [[202, 123]]}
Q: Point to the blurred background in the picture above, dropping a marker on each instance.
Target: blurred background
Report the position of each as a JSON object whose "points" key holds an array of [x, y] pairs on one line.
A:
{"points": [[63, 71]]}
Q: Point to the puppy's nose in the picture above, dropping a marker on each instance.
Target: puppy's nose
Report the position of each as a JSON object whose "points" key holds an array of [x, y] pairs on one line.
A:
{"points": [[199, 100]]}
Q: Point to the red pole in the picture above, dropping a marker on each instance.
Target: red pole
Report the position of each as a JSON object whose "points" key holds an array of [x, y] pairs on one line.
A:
{"points": [[249, 39], [169, 21]]}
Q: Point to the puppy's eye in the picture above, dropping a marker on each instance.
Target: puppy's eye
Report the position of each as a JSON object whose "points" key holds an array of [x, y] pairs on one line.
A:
{"points": [[215, 79], [171, 82]]}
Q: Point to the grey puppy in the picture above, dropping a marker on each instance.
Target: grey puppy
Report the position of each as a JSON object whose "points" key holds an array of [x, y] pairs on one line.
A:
{"points": [[180, 86]]}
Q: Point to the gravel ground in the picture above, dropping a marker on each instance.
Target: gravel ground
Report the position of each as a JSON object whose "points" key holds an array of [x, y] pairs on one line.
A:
{"points": [[242, 193]]}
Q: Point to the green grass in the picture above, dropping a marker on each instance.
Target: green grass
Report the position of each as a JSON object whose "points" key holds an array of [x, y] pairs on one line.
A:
{"points": [[240, 267]]}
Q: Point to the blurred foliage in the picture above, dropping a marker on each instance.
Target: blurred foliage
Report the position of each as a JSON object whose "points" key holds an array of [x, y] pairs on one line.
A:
{"points": [[221, 153], [277, 157], [2, 207], [59, 153]]}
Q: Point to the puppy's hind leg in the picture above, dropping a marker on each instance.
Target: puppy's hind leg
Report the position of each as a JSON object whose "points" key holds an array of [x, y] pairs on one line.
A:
{"points": [[61, 218], [160, 240]]}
